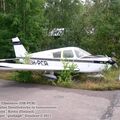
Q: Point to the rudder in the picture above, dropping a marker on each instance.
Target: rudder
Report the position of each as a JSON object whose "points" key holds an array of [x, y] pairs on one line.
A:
{"points": [[19, 49]]}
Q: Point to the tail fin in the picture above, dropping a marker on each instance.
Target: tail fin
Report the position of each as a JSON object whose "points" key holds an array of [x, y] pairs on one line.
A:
{"points": [[19, 49]]}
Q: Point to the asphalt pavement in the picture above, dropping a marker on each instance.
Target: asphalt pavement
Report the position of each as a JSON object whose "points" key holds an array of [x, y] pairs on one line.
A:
{"points": [[40, 102]]}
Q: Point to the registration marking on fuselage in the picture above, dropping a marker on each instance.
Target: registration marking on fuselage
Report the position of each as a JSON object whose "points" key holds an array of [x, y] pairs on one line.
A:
{"points": [[39, 62]]}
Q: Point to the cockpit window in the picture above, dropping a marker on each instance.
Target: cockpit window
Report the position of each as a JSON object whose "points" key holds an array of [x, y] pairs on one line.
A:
{"points": [[68, 54], [57, 54], [77, 52], [81, 53]]}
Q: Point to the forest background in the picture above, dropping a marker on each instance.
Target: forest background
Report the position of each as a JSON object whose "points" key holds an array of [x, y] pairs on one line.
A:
{"points": [[93, 25]]}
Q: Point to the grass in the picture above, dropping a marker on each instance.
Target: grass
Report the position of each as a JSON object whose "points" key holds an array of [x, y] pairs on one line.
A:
{"points": [[6, 75], [109, 82], [90, 85]]}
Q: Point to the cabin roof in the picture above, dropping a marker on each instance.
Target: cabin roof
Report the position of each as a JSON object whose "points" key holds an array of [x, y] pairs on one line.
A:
{"points": [[48, 53]]}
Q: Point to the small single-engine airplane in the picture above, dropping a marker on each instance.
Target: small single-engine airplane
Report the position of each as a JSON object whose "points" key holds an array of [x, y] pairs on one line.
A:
{"points": [[51, 61]]}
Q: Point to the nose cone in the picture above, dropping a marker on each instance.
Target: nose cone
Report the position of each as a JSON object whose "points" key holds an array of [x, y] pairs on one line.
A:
{"points": [[113, 63]]}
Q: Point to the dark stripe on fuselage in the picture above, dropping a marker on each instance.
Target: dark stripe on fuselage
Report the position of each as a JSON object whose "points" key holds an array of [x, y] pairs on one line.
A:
{"points": [[17, 43], [69, 60], [5, 67]]}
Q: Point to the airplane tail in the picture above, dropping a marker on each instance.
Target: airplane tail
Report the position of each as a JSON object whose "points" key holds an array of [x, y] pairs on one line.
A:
{"points": [[19, 49]]}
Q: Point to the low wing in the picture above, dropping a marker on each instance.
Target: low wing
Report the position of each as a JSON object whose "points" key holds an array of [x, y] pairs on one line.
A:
{"points": [[13, 66]]}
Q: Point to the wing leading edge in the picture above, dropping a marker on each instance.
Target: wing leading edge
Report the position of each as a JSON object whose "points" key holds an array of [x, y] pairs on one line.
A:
{"points": [[12, 66]]}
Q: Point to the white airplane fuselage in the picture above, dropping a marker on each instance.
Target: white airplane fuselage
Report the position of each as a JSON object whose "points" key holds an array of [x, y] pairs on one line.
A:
{"points": [[53, 60], [85, 62]]}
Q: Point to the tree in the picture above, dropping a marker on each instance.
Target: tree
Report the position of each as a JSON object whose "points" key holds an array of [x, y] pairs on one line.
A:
{"points": [[24, 19], [104, 18], [63, 14]]}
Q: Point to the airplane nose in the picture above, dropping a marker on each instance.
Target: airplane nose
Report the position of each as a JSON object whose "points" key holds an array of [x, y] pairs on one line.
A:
{"points": [[113, 63]]}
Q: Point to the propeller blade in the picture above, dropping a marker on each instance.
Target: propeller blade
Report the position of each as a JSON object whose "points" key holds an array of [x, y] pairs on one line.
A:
{"points": [[115, 65]]}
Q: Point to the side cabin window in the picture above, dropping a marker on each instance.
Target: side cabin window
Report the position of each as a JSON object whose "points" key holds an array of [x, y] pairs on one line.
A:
{"points": [[68, 54], [57, 54]]}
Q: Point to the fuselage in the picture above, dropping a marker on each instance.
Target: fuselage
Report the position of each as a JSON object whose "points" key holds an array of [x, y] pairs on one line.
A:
{"points": [[84, 61], [54, 59]]}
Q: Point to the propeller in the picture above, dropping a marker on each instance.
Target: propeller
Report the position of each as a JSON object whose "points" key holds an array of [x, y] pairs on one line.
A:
{"points": [[112, 60]]}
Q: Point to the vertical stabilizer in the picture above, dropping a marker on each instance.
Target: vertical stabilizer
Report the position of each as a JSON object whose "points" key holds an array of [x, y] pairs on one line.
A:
{"points": [[19, 49]]}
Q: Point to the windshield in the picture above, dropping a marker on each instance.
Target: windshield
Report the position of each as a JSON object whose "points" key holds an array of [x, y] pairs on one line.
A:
{"points": [[80, 53]]}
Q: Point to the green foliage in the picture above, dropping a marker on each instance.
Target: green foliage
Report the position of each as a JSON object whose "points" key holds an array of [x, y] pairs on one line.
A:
{"points": [[111, 75], [65, 77], [87, 26], [61, 13], [24, 77], [103, 16], [26, 59], [25, 19], [64, 14], [35, 77]]}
